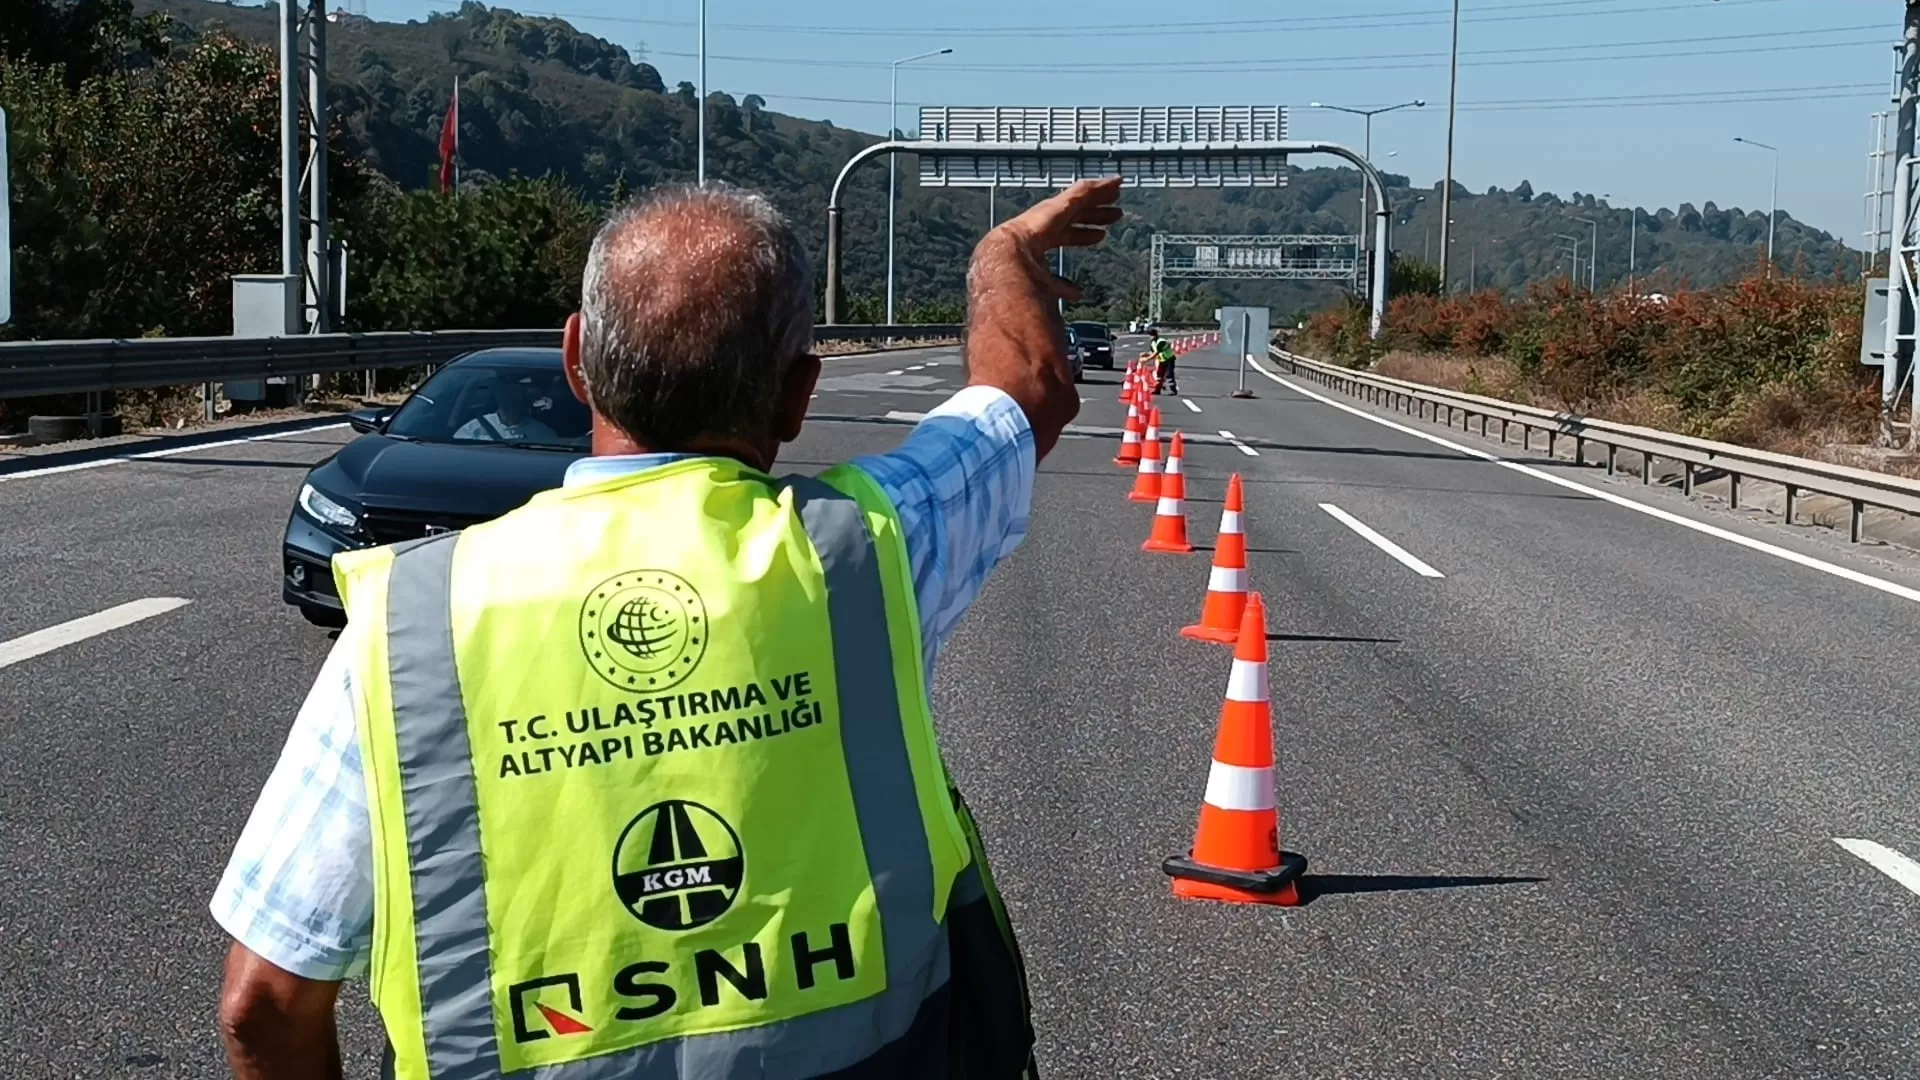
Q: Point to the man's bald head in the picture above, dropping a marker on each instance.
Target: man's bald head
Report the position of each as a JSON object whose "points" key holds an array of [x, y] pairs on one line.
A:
{"points": [[694, 304]]}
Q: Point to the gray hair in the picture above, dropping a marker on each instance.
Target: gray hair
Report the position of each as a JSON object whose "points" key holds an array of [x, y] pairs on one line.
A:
{"points": [[694, 304]]}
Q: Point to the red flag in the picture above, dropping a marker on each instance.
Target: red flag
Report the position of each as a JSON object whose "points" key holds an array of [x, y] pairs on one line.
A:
{"points": [[450, 139]]}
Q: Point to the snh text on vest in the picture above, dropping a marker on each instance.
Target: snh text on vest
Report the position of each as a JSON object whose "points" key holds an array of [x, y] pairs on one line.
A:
{"points": [[596, 734]]}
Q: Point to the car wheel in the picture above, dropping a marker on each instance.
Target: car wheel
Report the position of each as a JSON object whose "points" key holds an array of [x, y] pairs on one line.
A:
{"points": [[324, 617]]}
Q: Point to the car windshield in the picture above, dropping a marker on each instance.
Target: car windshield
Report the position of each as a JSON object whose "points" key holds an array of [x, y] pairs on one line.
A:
{"points": [[526, 405], [1092, 330]]}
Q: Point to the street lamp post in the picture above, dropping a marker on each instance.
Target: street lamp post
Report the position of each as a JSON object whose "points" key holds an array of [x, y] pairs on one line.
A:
{"points": [[1446, 193], [1575, 273], [893, 172], [1369, 114], [1593, 256], [1773, 201]]}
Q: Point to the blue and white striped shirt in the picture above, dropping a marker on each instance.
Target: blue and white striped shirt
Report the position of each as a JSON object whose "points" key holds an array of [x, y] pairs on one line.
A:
{"points": [[299, 888]]}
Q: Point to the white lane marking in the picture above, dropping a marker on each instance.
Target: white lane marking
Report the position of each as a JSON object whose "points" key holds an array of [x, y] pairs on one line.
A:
{"points": [[915, 367], [149, 455], [28, 646], [1808, 561], [1886, 860], [897, 371], [1399, 553], [1242, 447], [896, 414], [1188, 402]]}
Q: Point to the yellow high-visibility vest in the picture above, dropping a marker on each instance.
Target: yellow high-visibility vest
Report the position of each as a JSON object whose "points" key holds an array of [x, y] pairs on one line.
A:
{"points": [[655, 793]]}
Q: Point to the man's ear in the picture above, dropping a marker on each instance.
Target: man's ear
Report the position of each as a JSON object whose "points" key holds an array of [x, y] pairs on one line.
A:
{"points": [[570, 358], [796, 390]]}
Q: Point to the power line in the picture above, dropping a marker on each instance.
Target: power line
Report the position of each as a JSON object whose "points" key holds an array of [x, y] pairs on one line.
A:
{"points": [[1351, 21], [1268, 65], [1761, 95]]}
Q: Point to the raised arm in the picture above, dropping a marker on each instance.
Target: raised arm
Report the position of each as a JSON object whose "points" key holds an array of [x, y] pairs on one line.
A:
{"points": [[1014, 328]]}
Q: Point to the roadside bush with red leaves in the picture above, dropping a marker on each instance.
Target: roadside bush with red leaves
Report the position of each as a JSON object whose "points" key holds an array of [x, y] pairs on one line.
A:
{"points": [[1754, 362]]}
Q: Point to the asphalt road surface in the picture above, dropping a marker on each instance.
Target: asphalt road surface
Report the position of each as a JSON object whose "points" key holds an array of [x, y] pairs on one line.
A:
{"points": [[1572, 775]]}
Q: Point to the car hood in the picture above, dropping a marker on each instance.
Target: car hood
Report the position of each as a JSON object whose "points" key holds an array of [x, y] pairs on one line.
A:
{"points": [[472, 480]]}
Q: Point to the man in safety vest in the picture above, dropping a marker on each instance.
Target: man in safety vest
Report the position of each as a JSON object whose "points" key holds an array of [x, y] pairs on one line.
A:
{"points": [[1166, 374], [640, 780]]}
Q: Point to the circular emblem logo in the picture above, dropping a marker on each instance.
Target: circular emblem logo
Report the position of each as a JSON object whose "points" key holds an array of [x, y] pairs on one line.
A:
{"points": [[644, 629], [678, 865]]}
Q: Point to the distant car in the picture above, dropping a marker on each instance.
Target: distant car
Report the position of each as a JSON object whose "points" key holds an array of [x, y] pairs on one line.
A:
{"points": [[1097, 340], [1076, 354], [479, 438]]}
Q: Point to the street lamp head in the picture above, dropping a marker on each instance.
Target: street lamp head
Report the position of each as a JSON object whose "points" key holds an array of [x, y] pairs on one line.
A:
{"points": [[943, 52], [1315, 105], [1419, 103]]}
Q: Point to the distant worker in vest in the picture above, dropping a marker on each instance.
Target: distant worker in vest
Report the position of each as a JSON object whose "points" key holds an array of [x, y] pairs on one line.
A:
{"points": [[1166, 373], [640, 780]]}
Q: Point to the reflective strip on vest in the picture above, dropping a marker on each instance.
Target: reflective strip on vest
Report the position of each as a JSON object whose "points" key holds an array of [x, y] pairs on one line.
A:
{"points": [[449, 884]]}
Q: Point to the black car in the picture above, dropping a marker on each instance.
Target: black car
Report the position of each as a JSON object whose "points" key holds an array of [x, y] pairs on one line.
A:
{"points": [[480, 437], [1076, 354], [1097, 341]]}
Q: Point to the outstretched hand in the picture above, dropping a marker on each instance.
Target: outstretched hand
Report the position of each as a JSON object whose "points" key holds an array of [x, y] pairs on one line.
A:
{"points": [[1015, 336]]}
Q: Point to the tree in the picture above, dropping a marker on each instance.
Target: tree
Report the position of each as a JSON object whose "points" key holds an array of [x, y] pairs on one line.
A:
{"points": [[84, 38], [1407, 276]]}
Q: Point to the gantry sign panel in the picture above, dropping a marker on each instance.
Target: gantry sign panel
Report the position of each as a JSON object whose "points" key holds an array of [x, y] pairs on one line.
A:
{"points": [[1194, 146]]}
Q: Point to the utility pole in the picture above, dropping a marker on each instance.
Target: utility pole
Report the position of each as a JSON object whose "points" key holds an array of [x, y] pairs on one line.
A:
{"points": [[306, 253], [701, 105], [1633, 243], [1446, 193], [1593, 256]]}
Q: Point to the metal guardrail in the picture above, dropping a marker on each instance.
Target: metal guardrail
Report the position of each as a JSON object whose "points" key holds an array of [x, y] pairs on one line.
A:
{"points": [[39, 368], [1860, 488]]}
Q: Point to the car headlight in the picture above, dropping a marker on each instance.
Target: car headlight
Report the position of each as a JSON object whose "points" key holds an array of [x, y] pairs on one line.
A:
{"points": [[325, 510]]}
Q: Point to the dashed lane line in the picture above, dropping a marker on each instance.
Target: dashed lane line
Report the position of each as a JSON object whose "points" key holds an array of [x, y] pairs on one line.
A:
{"points": [[1400, 554], [1886, 860], [1235, 441], [897, 371], [40, 642], [1748, 542], [1188, 402]]}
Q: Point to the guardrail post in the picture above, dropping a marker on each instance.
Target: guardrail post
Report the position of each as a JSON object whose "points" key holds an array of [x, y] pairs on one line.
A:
{"points": [[93, 414], [1646, 467], [1733, 490], [1503, 430], [1612, 453], [1686, 478], [1553, 439], [1792, 493], [1483, 425], [1857, 521], [1526, 436], [1579, 450]]}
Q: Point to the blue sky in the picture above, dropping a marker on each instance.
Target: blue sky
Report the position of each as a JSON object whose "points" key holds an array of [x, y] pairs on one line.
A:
{"points": [[1637, 98]]}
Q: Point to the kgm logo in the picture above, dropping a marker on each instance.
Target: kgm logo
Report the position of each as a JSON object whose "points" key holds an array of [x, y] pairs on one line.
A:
{"points": [[546, 1007]]}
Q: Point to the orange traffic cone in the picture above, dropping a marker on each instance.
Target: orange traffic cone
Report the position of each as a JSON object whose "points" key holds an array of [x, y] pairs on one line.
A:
{"points": [[1170, 516], [1227, 583], [1146, 481], [1126, 384], [1236, 852], [1130, 437]]}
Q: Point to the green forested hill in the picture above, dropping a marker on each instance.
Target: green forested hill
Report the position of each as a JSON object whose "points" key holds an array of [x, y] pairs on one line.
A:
{"points": [[539, 98]]}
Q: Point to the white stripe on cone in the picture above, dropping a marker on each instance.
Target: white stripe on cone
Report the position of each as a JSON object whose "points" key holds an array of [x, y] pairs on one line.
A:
{"points": [[1149, 465], [1236, 787], [1248, 683], [1152, 432], [1230, 522], [1170, 507], [1174, 466], [1129, 437], [1227, 579]]}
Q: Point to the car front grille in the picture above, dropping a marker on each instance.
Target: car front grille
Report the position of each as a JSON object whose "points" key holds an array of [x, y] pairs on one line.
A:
{"points": [[394, 526]]}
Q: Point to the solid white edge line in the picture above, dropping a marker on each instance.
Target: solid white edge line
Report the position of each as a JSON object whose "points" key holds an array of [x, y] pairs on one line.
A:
{"points": [[1886, 860], [60, 635], [1400, 554], [1188, 402], [169, 451], [1808, 561]]}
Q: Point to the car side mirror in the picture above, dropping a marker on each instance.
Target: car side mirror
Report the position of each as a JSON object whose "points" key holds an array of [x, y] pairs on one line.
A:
{"points": [[367, 421]]}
